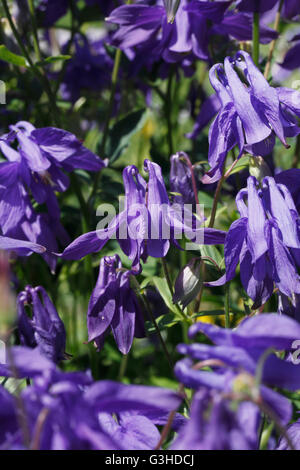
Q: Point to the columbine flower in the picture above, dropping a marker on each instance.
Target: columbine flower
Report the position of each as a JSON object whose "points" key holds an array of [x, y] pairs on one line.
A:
{"points": [[265, 240], [214, 424], [243, 365], [114, 307], [168, 31], [45, 329], [249, 117], [148, 223], [181, 179], [89, 69], [78, 413], [37, 166], [293, 432], [256, 5]]}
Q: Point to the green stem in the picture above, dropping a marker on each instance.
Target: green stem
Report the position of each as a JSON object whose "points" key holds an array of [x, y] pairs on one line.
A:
{"points": [[123, 367], [34, 30], [227, 305], [163, 344], [43, 78], [216, 199], [114, 80], [255, 39], [168, 111], [273, 43], [167, 276]]}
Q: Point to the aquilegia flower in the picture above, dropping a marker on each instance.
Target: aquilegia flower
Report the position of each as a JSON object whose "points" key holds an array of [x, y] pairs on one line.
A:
{"points": [[243, 370], [265, 240], [249, 117], [114, 306], [148, 223], [37, 167], [89, 69], [44, 328], [167, 31], [216, 423], [77, 413], [181, 181], [293, 432]]}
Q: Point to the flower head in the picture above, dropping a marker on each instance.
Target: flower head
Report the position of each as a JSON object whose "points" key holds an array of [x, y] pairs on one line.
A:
{"points": [[44, 329]]}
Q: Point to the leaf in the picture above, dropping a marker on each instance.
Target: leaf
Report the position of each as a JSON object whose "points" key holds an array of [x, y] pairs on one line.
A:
{"points": [[212, 252], [122, 132], [162, 287], [163, 322], [12, 58], [52, 59], [242, 164]]}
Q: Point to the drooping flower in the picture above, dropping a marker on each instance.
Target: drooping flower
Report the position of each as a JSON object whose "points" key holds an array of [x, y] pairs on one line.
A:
{"points": [[249, 117], [256, 6], [148, 223], [293, 432], [89, 69], [168, 31], [77, 413], [44, 329], [37, 166], [181, 179], [214, 424], [265, 240], [244, 367], [114, 307], [291, 59]]}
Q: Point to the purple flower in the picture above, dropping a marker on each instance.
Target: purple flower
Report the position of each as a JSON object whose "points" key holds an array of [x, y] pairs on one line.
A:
{"points": [[291, 60], [256, 5], [89, 69], [265, 240], [79, 414], [215, 425], [114, 307], [249, 117], [21, 247], [243, 365], [147, 224], [181, 179], [37, 166], [167, 31], [44, 328], [293, 432], [52, 10]]}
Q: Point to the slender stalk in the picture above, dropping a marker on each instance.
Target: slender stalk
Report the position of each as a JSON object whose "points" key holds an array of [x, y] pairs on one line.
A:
{"points": [[216, 199], [114, 80], [123, 367], [297, 153], [167, 276], [255, 39], [34, 30], [168, 111], [273, 43], [227, 305], [43, 78], [163, 344]]}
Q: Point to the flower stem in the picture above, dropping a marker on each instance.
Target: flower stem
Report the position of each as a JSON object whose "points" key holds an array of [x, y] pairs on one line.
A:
{"points": [[255, 39], [168, 111], [114, 80], [34, 30], [273, 43], [227, 305], [41, 76], [167, 276]]}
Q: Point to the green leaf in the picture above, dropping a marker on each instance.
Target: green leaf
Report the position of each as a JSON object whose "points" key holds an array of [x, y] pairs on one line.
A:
{"points": [[163, 322], [162, 287], [242, 164], [52, 59], [122, 132], [12, 58]]}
